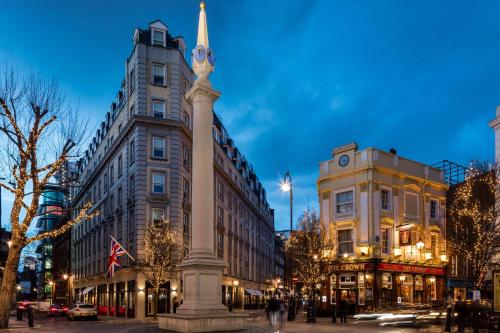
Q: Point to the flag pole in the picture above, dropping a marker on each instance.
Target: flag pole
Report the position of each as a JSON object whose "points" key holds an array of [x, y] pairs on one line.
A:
{"points": [[122, 248]]}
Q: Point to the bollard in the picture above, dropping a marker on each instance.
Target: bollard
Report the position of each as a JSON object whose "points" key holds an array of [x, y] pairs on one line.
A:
{"points": [[30, 317], [19, 313]]}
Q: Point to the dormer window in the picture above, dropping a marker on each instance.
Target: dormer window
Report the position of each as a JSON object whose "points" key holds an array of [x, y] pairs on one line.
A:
{"points": [[158, 37]]}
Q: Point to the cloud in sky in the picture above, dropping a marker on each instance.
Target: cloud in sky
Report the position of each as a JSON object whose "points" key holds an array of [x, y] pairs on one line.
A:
{"points": [[298, 78]]}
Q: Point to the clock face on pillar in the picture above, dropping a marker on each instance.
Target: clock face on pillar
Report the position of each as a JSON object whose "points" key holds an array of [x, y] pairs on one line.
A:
{"points": [[343, 160], [210, 57], [200, 53]]}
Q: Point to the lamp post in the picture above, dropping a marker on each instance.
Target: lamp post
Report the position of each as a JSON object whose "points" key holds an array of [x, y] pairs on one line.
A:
{"points": [[286, 186]]}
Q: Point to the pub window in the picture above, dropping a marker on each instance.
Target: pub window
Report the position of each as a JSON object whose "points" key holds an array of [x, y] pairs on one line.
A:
{"points": [[434, 209], [385, 240], [345, 242], [345, 202], [385, 199]]}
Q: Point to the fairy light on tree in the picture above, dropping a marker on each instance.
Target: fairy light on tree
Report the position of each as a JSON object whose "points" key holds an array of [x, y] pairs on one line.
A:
{"points": [[161, 256], [310, 250], [39, 131], [473, 232]]}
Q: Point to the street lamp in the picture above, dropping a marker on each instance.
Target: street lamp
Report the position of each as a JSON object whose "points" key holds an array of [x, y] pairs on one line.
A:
{"points": [[286, 186]]}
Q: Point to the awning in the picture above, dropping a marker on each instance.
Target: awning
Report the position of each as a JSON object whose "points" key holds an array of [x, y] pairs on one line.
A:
{"points": [[258, 292], [86, 290], [253, 292]]}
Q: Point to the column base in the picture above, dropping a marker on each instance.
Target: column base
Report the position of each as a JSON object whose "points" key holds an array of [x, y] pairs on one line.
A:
{"points": [[202, 322]]}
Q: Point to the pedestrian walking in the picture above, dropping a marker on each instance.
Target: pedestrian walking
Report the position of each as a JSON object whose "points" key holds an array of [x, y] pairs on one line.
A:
{"points": [[344, 307], [274, 308], [460, 311], [283, 308]]}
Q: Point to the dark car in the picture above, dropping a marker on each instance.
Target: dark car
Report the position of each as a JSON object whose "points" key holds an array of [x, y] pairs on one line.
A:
{"points": [[57, 310], [494, 322]]}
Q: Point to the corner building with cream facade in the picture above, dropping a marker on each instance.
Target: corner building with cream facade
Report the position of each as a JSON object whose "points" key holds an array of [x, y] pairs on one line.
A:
{"points": [[138, 169], [387, 214]]}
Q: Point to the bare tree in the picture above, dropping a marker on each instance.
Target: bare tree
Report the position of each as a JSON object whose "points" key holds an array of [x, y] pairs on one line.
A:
{"points": [[310, 251], [161, 256], [38, 133], [473, 232]]}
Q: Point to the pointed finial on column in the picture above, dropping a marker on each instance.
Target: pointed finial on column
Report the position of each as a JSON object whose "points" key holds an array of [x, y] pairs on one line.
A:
{"points": [[202, 27], [203, 57]]}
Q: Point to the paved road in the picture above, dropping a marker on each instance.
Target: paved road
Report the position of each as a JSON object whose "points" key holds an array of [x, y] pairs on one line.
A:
{"points": [[257, 324]]}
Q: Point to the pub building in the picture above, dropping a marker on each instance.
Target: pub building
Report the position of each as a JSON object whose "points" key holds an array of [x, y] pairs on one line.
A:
{"points": [[387, 215]]}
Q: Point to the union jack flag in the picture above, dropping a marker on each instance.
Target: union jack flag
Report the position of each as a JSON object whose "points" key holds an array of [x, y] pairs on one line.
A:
{"points": [[116, 250]]}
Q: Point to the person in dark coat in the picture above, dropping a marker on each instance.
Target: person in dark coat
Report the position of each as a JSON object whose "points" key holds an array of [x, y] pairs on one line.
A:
{"points": [[344, 307], [460, 311]]}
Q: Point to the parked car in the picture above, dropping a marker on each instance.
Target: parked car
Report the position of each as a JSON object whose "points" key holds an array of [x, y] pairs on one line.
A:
{"points": [[57, 310], [23, 306], [82, 310]]}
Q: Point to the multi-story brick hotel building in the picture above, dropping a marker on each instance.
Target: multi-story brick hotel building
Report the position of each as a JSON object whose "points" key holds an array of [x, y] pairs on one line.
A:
{"points": [[388, 216]]}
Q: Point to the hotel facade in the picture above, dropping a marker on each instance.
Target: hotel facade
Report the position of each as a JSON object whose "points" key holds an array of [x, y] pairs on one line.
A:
{"points": [[137, 170], [387, 214]]}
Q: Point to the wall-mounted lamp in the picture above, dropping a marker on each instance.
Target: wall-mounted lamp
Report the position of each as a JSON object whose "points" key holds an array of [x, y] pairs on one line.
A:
{"points": [[432, 279], [141, 290], [9, 243], [346, 255], [402, 278], [65, 276], [363, 250], [444, 258], [428, 255], [236, 283], [420, 245], [397, 252]]}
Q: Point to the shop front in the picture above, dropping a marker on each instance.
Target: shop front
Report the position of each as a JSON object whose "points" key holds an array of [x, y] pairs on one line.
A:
{"points": [[401, 283], [353, 282]]}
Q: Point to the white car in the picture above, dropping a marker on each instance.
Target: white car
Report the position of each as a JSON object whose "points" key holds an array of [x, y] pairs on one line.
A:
{"points": [[82, 310]]}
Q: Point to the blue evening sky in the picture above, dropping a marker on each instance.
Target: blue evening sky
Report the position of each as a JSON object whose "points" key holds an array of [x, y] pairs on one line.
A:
{"points": [[298, 78]]}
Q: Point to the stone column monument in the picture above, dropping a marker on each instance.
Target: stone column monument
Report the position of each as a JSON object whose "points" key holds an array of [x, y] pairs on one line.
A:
{"points": [[202, 309]]}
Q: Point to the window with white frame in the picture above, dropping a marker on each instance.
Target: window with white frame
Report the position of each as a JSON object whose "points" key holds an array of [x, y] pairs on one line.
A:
{"points": [[385, 199], [385, 240], [158, 109], [158, 182], [159, 74], [158, 37], [434, 209], [157, 215], [158, 146], [344, 202], [344, 240]]}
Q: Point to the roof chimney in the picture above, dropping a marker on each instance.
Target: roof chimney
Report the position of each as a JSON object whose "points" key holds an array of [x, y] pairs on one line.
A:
{"points": [[393, 151]]}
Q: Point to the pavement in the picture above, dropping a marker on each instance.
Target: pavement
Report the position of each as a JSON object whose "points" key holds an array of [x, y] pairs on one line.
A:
{"points": [[257, 322]]}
